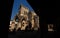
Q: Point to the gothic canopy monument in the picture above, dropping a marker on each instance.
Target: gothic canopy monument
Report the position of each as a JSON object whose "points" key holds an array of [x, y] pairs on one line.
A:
{"points": [[25, 19]]}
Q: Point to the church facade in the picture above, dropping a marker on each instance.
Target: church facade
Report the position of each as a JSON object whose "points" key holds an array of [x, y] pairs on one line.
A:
{"points": [[25, 19]]}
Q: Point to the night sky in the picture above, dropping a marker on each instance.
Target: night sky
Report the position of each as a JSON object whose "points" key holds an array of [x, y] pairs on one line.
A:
{"points": [[16, 6]]}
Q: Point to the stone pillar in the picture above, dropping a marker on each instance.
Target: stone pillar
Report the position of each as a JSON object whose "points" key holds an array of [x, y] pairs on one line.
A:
{"points": [[36, 26], [12, 26]]}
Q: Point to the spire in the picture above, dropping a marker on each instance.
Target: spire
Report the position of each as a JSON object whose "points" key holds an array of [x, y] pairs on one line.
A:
{"points": [[21, 5]]}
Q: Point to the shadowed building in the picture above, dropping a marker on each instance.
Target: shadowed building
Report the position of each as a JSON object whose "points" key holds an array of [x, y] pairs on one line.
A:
{"points": [[50, 27]]}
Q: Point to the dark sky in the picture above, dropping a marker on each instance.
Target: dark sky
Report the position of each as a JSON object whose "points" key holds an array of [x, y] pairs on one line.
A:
{"points": [[16, 5]]}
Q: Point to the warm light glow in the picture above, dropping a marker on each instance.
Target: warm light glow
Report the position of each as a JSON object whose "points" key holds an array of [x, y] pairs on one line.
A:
{"points": [[50, 27]]}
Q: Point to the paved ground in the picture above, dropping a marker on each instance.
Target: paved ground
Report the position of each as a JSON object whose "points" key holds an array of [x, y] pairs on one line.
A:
{"points": [[24, 34]]}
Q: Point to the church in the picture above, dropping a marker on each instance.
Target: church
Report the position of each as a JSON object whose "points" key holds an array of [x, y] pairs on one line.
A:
{"points": [[25, 19]]}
